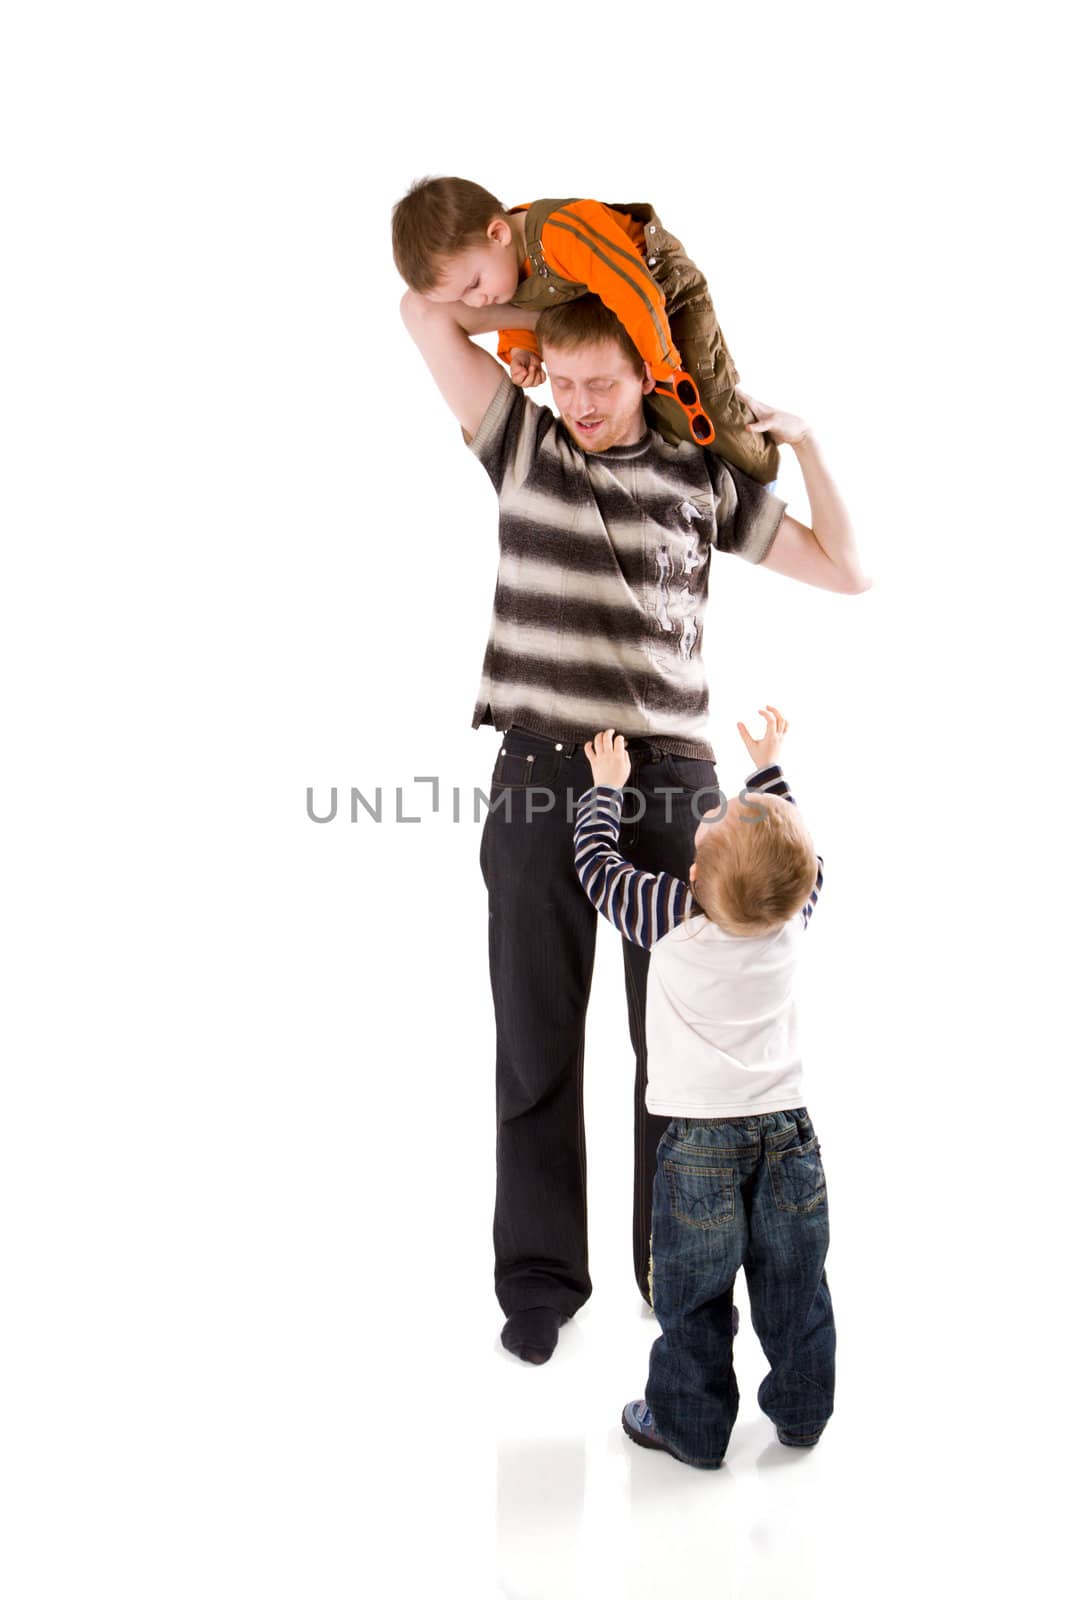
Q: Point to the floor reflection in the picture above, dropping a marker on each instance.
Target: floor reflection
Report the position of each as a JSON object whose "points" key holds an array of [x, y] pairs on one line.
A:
{"points": [[540, 1501]]}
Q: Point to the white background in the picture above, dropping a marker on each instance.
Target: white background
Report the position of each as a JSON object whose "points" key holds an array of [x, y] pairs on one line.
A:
{"points": [[249, 1335]]}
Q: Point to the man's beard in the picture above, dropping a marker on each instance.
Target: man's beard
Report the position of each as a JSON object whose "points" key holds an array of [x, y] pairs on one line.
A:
{"points": [[612, 432]]}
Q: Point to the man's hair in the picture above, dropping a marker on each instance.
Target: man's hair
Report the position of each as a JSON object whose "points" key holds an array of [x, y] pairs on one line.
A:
{"points": [[586, 321], [437, 219], [752, 876]]}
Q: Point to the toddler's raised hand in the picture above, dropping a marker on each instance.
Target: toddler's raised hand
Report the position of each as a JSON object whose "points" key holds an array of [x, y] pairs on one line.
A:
{"points": [[608, 759], [764, 751]]}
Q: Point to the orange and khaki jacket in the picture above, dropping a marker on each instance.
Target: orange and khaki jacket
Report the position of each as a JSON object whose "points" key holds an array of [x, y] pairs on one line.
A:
{"points": [[623, 254], [580, 247]]}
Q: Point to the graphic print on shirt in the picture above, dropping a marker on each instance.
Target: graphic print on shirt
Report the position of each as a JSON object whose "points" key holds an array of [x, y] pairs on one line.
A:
{"points": [[679, 604]]}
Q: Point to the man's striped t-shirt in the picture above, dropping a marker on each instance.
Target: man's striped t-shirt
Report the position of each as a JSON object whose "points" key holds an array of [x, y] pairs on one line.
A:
{"points": [[604, 556]]}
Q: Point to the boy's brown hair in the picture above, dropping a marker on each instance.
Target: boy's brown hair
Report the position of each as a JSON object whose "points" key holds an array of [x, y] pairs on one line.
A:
{"points": [[436, 220], [753, 876], [586, 321]]}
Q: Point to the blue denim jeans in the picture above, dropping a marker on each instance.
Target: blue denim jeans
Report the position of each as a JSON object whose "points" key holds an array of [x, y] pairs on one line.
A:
{"points": [[729, 1194]]}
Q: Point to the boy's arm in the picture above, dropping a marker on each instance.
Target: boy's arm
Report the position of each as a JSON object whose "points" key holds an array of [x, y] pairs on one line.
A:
{"points": [[466, 375], [516, 339], [583, 242], [826, 554], [642, 905], [771, 780]]}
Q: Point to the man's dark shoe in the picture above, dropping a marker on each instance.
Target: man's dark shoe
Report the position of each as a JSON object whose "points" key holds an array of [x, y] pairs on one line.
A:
{"points": [[532, 1335], [797, 1441]]}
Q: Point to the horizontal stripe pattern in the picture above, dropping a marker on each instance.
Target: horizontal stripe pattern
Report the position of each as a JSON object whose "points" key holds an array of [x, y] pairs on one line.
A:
{"points": [[589, 554], [681, 699], [594, 650], [603, 570], [584, 618], [544, 580], [562, 714]]}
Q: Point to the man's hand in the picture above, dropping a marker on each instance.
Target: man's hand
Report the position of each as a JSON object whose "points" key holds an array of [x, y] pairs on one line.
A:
{"points": [[527, 369], [608, 759], [764, 751], [782, 426], [826, 553]]}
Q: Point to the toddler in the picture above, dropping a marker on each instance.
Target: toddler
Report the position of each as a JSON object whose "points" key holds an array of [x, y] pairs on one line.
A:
{"points": [[739, 1180]]}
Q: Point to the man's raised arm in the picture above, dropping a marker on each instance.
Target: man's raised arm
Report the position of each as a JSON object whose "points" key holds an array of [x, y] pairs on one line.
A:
{"points": [[466, 375]]}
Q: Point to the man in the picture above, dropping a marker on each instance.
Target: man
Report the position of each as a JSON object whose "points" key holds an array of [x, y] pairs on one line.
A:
{"points": [[606, 532]]}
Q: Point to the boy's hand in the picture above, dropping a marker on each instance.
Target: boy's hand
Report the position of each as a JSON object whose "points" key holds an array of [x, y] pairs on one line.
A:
{"points": [[608, 759], [527, 370], [781, 425], [764, 751]]}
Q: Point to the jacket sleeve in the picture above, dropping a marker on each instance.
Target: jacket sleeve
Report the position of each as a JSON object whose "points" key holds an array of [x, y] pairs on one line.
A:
{"points": [[642, 905], [771, 780], [516, 339], [584, 243]]}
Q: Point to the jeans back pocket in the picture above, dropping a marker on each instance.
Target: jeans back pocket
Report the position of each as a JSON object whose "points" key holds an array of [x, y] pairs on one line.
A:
{"points": [[797, 1178], [700, 1197]]}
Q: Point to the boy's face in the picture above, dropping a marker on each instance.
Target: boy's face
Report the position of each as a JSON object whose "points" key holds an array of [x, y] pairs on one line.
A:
{"points": [[482, 275], [598, 394]]}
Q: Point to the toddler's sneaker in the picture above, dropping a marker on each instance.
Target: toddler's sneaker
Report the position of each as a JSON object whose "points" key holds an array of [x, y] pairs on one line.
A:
{"points": [[639, 1424]]}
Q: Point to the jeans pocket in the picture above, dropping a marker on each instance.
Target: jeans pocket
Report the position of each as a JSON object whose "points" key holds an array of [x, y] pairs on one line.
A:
{"points": [[692, 773], [700, 1197], [797, 1178], [518, 769], [699, 780]]}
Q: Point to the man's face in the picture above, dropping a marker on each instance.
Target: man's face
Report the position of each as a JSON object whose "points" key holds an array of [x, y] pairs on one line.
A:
{"points": [[483, 275], [598, 394]]}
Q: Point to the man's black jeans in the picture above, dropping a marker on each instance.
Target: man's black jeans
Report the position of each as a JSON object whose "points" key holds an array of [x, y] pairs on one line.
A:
{"points": [[542, 938]]}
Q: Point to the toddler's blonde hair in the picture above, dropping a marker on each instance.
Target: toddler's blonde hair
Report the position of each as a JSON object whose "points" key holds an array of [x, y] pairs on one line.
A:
{"points": [[754, 875]]}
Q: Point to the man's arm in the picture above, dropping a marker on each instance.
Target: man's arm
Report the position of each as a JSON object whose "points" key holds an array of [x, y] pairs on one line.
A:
{"points": [[827, 554], [466, 375]]}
